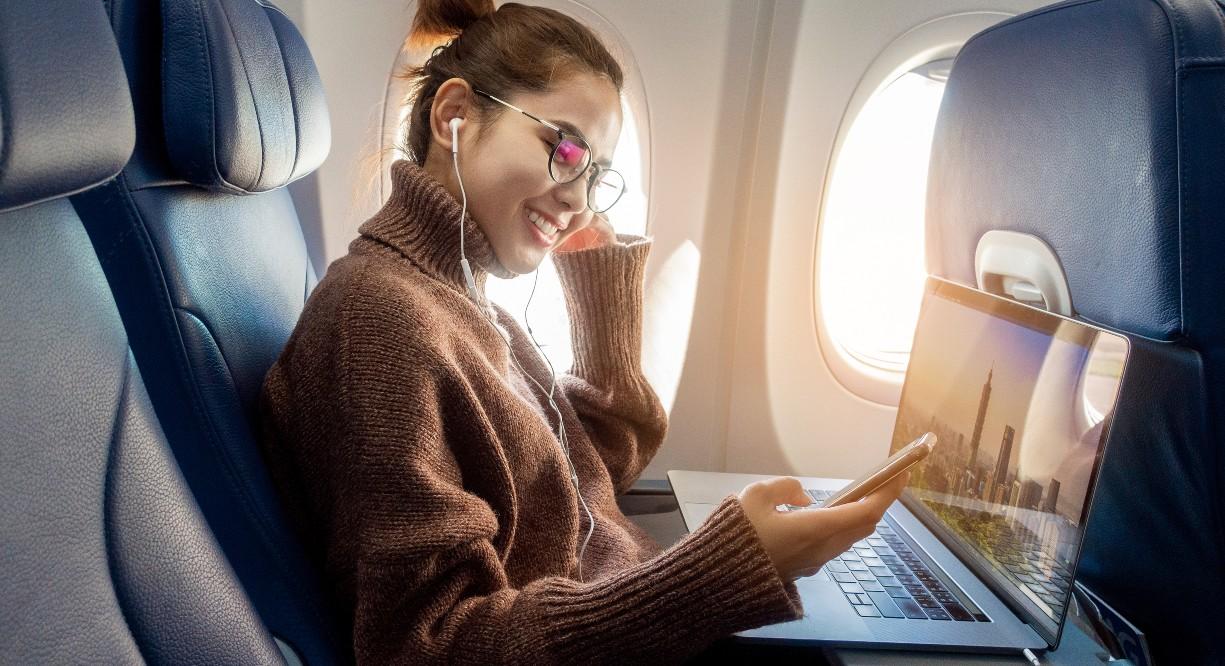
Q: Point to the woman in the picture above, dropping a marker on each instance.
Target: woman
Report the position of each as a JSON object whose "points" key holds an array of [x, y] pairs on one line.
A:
{"points": [[460, 513]]}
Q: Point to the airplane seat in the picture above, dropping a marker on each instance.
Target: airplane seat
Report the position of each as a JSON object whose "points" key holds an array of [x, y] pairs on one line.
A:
{"points": [[202, 247], [106, 558], [1091, 131]]}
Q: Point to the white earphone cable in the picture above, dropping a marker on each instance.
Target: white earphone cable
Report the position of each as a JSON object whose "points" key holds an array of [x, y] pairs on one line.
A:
{"points": [[489, 316], [565, 443]]}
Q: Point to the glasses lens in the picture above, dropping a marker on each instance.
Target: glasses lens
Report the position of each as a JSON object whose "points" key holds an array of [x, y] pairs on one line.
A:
{"points": [[570, 159], [605, 190]]}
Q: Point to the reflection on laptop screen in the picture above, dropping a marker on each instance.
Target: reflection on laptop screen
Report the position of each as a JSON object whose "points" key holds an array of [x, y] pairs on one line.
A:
{"points": [[1020, 400]]}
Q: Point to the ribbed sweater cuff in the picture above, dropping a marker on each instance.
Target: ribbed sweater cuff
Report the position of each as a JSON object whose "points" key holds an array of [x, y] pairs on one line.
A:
{"points": [[716, 581], [603, 288]]}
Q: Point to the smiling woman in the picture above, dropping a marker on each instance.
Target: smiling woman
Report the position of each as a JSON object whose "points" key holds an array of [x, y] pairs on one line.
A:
{"points": [[449, 494], [523, 195], [548, 318]]}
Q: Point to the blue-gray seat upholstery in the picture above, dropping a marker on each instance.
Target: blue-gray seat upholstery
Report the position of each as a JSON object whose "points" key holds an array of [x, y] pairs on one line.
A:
{"points": [[105, 557], [1098, 125], [201, 244]]}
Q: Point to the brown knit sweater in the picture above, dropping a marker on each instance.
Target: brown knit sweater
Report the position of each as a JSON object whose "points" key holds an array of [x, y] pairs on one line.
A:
{"points": [[426, 476]]}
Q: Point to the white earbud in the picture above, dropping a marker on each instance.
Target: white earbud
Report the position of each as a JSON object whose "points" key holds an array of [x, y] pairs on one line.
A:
{"points": [[463, 262]]}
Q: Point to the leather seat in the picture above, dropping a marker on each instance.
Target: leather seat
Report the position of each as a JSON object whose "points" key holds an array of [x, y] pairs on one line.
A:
{"points": [[106, 558], [204, 254], [1096, 126]]}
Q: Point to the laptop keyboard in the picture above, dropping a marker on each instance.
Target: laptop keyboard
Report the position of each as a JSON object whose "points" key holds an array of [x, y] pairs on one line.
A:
{"points": [[881, 576]]}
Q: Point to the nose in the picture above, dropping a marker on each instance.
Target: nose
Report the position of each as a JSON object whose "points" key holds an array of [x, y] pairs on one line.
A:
{"points": [[572, 195]]}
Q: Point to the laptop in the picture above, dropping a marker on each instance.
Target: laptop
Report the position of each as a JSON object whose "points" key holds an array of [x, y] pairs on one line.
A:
{"points": [[980, 552]]}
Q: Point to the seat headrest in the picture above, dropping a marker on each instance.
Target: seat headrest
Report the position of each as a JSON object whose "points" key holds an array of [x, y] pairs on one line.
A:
{"points": [[242, 105], [65, 115], [1096, 127]]}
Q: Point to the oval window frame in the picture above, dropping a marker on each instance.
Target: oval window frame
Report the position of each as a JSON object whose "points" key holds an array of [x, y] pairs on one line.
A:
{"points": [[937, 39]]}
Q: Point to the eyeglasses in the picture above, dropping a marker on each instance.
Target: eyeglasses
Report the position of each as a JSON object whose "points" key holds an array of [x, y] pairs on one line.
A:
{"points": [[571, 158]]}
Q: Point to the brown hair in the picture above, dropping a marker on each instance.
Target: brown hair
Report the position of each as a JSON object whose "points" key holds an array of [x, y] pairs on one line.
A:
{"points": [[513, 49]]}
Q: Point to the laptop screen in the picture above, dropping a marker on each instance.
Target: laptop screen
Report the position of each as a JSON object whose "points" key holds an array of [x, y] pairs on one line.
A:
{"points": [[1020, 400]]}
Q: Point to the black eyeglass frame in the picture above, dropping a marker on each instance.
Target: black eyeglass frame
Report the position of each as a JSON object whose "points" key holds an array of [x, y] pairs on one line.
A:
{"points": [[563, 135]]}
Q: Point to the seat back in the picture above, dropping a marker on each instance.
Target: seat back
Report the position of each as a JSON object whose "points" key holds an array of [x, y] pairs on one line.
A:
{"points": [[202, 247], [106, 558], [1096, 127]]}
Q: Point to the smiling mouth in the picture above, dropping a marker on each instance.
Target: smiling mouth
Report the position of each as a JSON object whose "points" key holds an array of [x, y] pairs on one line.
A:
{"points": [[547, 228]]}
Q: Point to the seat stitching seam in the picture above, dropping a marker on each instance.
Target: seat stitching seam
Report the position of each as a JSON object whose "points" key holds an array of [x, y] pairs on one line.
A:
{"points": [[106, 498], [115, 243], [293, 104], [236, 474], [201, 32], [254, 105], [1184, 268]]}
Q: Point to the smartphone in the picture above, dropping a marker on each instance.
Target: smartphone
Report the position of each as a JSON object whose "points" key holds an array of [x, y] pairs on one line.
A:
{"points": [[896, 464]]}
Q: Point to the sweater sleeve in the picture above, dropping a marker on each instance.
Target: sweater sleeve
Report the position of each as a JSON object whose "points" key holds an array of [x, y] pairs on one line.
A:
{"points": [[429, 584], [618, 409]]}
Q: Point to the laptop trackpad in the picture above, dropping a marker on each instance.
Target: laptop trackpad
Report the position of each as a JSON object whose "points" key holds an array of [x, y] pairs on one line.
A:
{"points": [[695, 513]]}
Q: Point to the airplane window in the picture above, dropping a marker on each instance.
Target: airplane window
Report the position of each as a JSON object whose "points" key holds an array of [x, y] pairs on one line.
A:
{"points": [[550, 321], [872, 246]]}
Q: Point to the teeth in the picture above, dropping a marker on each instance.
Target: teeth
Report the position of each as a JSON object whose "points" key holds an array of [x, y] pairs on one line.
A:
{"points": [[541, 224]]}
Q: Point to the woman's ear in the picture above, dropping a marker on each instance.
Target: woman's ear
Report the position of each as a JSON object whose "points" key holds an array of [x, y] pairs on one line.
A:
{"points": [[451, 101]]}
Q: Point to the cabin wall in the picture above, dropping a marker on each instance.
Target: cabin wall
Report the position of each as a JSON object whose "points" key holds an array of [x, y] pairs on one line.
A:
{"points": [[785, 409], [725, 82]]}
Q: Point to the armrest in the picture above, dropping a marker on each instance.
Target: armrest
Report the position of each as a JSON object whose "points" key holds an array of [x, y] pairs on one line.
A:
{"points": [[647, 496], [650, 487], [651, 504]]}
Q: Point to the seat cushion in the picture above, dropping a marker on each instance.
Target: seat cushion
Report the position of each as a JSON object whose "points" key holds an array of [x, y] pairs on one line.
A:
{"points": [[106, 557], [210, 278]]}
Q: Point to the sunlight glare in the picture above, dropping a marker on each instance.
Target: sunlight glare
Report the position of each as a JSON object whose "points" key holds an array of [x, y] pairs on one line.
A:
{"points": [[872, 248]]}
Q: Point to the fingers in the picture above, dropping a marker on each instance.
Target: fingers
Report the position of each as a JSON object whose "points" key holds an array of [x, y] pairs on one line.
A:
{"points": [[844, 540], [843, 518], [582, 239], [889, 492], [805, 573], [592, 230], [858, 517], [608, 234], [862, 515], [880, 499], [779, 490]]}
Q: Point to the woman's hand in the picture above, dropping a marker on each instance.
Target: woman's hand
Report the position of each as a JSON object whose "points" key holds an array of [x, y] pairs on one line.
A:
{"points": [[800, 542], [597, 232]]}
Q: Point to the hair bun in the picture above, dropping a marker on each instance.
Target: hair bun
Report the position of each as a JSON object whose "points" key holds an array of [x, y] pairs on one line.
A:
{"points": [[439, 21]]}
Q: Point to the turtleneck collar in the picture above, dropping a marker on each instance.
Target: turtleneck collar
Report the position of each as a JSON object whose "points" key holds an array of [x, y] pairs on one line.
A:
{"points": [[421, 221]]}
